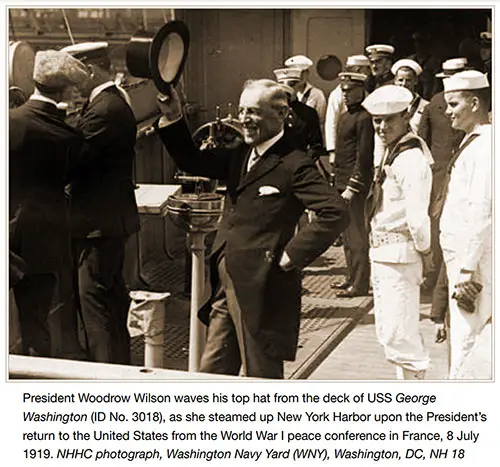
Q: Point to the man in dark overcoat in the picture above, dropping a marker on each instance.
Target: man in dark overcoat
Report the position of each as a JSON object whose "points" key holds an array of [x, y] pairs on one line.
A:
{"points": [[103, 206], [253, 322], [42, 151]]}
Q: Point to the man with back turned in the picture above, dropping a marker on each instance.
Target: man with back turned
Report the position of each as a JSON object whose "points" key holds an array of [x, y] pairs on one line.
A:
{"points": [[103, 207]]}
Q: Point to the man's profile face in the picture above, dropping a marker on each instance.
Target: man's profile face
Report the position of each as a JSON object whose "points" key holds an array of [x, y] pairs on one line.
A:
{"points": [[259, 120], [406, 78], [459, 109], [391, 127], [352, 94], [380, 66], [292, 83]]}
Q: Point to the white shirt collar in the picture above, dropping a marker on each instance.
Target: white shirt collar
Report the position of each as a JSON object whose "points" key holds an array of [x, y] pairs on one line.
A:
{"points": [[39, 97], [477, 130], [263, 147], [98, 89]]}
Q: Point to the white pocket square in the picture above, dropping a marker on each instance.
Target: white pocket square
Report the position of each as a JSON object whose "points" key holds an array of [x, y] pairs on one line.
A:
{"points": [[268, 190]]}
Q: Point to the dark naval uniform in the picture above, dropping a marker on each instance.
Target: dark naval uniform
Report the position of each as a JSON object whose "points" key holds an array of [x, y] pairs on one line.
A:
{"points": [[104, 215], [353, 168], [302, 125]]}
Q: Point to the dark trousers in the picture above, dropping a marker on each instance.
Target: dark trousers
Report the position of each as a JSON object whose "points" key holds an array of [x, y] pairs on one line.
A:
{"points": [[356, 246], [439, 309], [103, 298], [34, 296], [432, 274], [230, 347], [64, 318]]}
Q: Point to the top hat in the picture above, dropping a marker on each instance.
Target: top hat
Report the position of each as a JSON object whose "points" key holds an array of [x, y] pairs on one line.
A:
{"points": [[160, 56]]}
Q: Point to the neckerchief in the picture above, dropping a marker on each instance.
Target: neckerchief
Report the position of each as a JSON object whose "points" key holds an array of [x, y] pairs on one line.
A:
{"points": [[438, 204], [374, 198]]}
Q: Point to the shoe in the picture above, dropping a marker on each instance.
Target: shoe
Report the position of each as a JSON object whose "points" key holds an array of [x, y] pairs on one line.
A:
{"points": [[351, 292], [340, 284]]}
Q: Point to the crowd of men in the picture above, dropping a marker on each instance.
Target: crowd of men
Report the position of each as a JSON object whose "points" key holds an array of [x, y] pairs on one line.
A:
{"points": [[402, 163], [410, 195], [72, 207]]}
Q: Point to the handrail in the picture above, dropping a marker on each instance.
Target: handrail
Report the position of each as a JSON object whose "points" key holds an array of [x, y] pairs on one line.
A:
{"points": [[23, 367]]}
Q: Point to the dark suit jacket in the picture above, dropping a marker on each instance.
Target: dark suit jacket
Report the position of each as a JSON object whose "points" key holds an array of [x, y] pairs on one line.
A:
{"points": [[42, 150], [257, 227], [102, 191]]}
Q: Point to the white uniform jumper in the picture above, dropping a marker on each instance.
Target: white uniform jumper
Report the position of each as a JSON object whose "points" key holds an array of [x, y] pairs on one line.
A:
{"points": [[400, 230], [465, 238]]}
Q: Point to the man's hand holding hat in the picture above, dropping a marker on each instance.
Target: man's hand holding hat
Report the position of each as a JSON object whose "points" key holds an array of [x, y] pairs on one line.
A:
{"points": [[170, 106]]}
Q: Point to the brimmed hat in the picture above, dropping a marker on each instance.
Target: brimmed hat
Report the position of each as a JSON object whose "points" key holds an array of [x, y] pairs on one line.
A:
{"points": [[350, 80], [285, 74], [452, 66], [406, 63], [379, 50], [388, 100], [357, 60], [56, 69], [299, 61], [468, 80], [87, 50]]}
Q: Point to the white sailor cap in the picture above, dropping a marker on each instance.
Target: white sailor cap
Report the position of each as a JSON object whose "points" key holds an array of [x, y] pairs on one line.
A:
{"points": [[56, 70], [379, 50], [299, 61], [388, 100], [468, 80], [87, 50], [357, 60], [452, 66], [287, 74], [406, 63], [350, 80]]}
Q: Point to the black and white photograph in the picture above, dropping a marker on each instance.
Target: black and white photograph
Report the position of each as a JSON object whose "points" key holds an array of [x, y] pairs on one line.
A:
{"points": [[250, 193]]}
